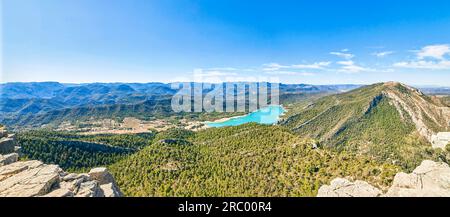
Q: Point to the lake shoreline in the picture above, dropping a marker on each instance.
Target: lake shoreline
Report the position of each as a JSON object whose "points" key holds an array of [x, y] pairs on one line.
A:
{"points": [[223, 120]]}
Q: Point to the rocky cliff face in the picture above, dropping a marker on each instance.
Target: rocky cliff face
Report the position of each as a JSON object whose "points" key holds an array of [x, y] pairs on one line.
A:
{"points": [[430, 179], [36, 179], [428, 114]]}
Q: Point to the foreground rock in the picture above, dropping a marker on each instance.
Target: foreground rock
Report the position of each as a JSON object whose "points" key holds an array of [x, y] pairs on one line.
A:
{"points": [[440, 140], [430, 179], [8, 159], [7, 145], [340, 187], [102, 175], [27, 179], [33, 178]]}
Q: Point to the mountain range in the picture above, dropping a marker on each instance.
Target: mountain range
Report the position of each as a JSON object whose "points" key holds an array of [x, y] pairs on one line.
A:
{"points": [[38, 103]]}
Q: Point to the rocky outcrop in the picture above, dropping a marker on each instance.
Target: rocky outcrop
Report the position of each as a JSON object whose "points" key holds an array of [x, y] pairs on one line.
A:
{"points": [[102, 175], [8, 142], [430, 179], [7, 145], [8, 159], [340, 187], [89, 189], [111, 190], [34, 179], [440, 140]]}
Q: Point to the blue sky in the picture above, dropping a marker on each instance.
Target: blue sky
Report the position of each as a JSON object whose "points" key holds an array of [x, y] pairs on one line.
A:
{"points": [[318, 42]]}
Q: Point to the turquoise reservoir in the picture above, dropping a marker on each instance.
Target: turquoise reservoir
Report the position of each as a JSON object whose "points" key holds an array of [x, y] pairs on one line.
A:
{"points": [[267, 115]]}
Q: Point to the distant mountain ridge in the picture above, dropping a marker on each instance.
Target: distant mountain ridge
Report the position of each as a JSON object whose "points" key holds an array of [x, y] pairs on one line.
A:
{"points": [[47, 90], [38, 103]]}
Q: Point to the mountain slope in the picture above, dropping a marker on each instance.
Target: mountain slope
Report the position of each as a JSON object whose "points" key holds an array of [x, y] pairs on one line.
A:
{"points": [[389, 121]]}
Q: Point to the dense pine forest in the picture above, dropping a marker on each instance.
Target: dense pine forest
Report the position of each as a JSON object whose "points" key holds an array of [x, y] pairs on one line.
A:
{"points": [[247, 160], [80, 152]]}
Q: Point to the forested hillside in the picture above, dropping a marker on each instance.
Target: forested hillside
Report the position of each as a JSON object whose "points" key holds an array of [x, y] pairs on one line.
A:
{"points": [[247, 160]]}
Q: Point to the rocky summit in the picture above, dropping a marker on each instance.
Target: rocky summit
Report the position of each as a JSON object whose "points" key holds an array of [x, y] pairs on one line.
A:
{"points": [[33, 178], [430, 179]]}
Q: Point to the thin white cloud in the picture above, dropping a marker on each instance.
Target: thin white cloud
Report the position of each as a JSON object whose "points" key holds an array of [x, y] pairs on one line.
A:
{"points": [[348, 65], [272, 67], [376, 47], [422, 64], [434, 51], [223, 69], [429, 57], [289, 73], [306, 73], [276, 66], [351, 67], [383, 53], [343, 55], [317, 65], [213, 73]]}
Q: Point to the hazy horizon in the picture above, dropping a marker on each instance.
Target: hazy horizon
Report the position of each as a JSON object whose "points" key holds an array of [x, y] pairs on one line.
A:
{"points": [[286, 83]]}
